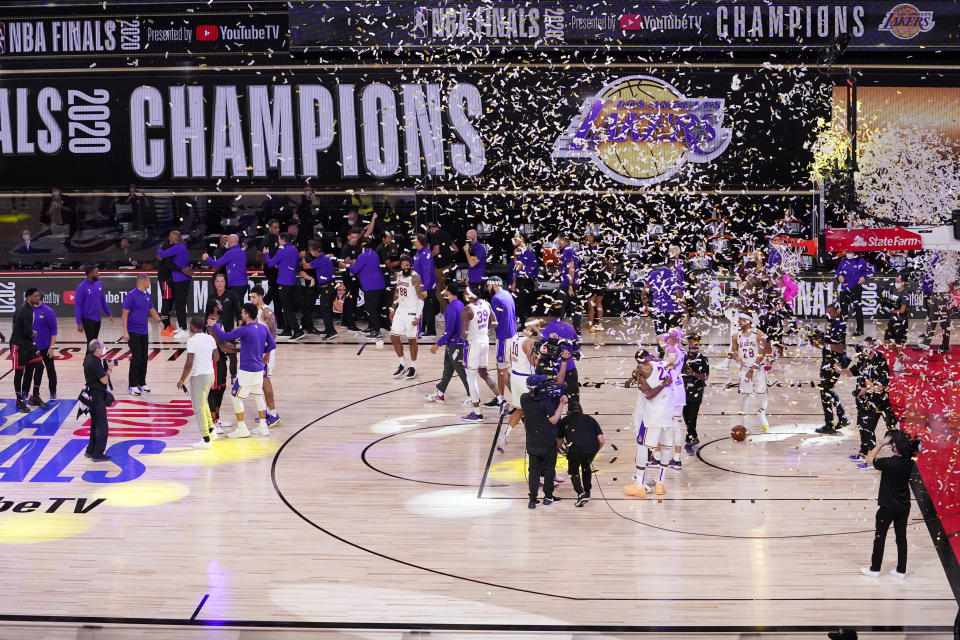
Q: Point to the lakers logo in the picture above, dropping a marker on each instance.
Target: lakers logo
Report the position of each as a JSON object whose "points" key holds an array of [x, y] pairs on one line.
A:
{"points": [[641, 130], [905, 21]]}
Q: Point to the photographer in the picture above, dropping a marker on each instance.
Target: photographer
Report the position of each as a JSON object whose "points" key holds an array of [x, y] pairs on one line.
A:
{"points": [[872, 396], [542, 407], [562, 342], [96, 373], [893, 499]]}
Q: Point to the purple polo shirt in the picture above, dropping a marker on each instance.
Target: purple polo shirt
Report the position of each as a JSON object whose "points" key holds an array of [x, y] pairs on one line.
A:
{"points": [[564, 331], [568, 256], [255, 340], [852, 271], [506, 313], [663, 282], [451, 324], [475, 274], [286, 260], [524, 265], [323, 267], [367, 269], [138, 303], [181, 260], [236, 260], [89, 302], [45, 324], [423, 265]]}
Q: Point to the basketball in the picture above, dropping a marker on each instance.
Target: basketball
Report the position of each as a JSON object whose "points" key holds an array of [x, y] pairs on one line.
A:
{"points": [[738, 433]]}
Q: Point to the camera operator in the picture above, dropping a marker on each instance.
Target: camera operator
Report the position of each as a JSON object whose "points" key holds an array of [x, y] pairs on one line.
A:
{"points": [[833, 347], [872, 396], [893, 499], [542, 408], [96, 373], [562, 334]]}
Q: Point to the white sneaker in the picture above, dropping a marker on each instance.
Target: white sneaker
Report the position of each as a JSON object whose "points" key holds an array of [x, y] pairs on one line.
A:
{"points": [[202, 445], [213, 436], [134, 391], [262, 430], [897, 574], [144, 389], [225, 423], [867, 572], [436, 396], [180, 334], [239, 433], [218, 426]]}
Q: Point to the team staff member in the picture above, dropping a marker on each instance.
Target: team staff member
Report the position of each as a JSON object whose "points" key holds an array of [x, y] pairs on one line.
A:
{"points": [[833, 352], [872, 396], [286, 261], [137, 310], [895, 335], [541, 428], [226, 306], [165, 278], [852, 274], [271, 243], [476, 255], [202, 356], [24, 353], [893, 500], [452, 342], [318, 273], [348, 253], [443, 249], [89, 303], [696, 370], [665, 286], [423, 265], [389, 254], [367, 269], [524, 273], [235, 261], [45, 329], [96, 379], [584, 440], [570, 281], [506, 331], [181, 276]]}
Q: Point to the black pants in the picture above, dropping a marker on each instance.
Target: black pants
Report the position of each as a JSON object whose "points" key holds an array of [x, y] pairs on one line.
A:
{"points": [[91, 329], [241, 292], [578, 466], [352, 286], [571, 307], [572, 380], [308, 301], [166, 301], [525, 299], [273, 296], [691, 411], [542, 463], [938, 314], [23, 378], [286, 293], [833, 411], [664, 321], [453, 363], [138, 359], [853, 297], [215, 397], [325, 293], [869, 409], [48, 364], [181, 290], [373, 304], [98, 423], [886, 516], [430, 314]]}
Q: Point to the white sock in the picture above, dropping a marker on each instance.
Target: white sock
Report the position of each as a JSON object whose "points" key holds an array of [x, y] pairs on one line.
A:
{"points": [[401, 362], [241, 426], [638, 477], [499, 399], [272, 413], [676, 456], [413, 362], [641, 457]]}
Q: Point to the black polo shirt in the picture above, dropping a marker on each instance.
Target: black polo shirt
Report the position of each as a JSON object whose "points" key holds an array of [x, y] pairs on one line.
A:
{"points": [[92, 372], [541, 434], [442, 240], [580, 431], [895, 472]]}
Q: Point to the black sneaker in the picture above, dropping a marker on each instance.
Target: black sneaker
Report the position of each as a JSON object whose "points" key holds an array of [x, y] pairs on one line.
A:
{"points": [[943, 349], [548, 501], [844, 422], [102, 458], [399, 370], [829, 431], [353, 327], [532, 504], [581, 500], [312, 332], [330, 335], [22, 407], [492, 403], [297, 336], [858, 334], [35, 401], [429, 334], [283, 334], [675, 465], [411, 374]]}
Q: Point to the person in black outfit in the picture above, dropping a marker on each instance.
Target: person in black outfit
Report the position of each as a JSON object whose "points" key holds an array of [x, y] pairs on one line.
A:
{"points": [[895, 335], [389, 253], [224, 304], [444, 250], [893, 499], [833, 352], [271, 243], [165, 278], [584, 439], [350, 251], [27, 361], [541, 428], [695, 372], [96, 378], [872, 396]]}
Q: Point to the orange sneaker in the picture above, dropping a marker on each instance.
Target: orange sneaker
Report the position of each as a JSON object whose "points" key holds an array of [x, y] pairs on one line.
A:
{"points": [[167, 331], [658, 489], [635, 490]]}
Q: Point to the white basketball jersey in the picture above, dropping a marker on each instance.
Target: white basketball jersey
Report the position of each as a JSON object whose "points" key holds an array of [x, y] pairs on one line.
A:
{"points": [[677, 391], [477, 330], [657, 411], [749, 346], [407, 298], [519, 363]]}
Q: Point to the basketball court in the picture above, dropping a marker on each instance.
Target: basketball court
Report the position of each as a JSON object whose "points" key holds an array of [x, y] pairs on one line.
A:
{"points": [[364, 510]]}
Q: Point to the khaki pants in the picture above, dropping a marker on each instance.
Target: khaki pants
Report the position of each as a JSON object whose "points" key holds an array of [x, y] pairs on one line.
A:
{"points": [[199, 388], [441, 274]]}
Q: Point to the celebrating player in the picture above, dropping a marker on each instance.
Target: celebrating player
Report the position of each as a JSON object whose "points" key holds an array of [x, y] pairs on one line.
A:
{"points": [[523, 363], [405, 317], [750, 348], [476, 318], [673, 361], [652, 421], [506, 330], [266, 318]]}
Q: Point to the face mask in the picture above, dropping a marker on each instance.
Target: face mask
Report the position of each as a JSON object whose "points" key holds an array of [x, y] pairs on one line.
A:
{"points": [[26, 237], [56, 193], [407, 272]]}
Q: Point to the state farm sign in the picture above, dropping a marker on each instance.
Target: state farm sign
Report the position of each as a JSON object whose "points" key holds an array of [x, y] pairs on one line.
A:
{"points": [[897, 239]]}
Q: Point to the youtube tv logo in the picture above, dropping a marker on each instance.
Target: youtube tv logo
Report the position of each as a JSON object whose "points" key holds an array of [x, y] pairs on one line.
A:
{"points": [[69, 297], [207, 32], [631, 22]]}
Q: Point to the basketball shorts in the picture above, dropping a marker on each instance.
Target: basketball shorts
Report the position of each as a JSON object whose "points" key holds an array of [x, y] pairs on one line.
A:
{"points": [[504, 347], [24, 355], [518, 387], [476, 355], [403, 324], [679, 430], [270, 368], [757, 384], [896, 333], [247, 383], [655, 434]]}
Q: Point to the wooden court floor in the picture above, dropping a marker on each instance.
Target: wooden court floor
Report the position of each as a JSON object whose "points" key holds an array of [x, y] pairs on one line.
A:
{"points": [[362, 508]]}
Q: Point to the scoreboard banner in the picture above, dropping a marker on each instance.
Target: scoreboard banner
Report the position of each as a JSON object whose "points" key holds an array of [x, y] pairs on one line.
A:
{"points": [[690, 25]]}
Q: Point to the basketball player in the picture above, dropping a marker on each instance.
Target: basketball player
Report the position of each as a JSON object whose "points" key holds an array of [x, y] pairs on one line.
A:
{"points": [[405, 317], [477, 317], [506, 330], [266, 318], [750, 348], [674, 360], [652, 421], [751, 286], [256, 346], [523, 363], [26, 358]]}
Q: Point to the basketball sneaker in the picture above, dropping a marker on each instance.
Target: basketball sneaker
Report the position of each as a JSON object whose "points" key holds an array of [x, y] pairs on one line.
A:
{"points": [[398, 373], [436, 396], [261, 429], [691, 447], [659, 489], [654, 463], [473, 416], [864, 466], [168, 331], [218, 426], [213, 436], [134, 391], [273, 421], [637, 490], [240, 432], [857, 457], [411, 373], [897, 574], [493, 402], [35, 401], [202, 445], [144, 389], [548, 501], [867, 571], [22, 407], [675, 465], [582, 499]]}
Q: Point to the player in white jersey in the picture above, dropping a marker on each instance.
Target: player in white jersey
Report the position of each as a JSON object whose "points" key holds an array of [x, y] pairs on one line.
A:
{"points": [[406, 316], [673, 359], [477, 319], [652, 421], [523, 363], [750, 350], [265, 317]]}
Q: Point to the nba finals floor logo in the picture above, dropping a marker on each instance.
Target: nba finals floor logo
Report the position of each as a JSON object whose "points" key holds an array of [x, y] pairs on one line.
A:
{"points": [[641, 130]]}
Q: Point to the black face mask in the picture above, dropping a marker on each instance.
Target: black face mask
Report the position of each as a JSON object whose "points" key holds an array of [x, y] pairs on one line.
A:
{"points": [[407, 272]]}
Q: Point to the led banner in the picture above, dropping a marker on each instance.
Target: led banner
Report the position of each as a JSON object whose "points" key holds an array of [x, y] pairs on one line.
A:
{"points": [[696, 24], [872, 240], [488, 129]]}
